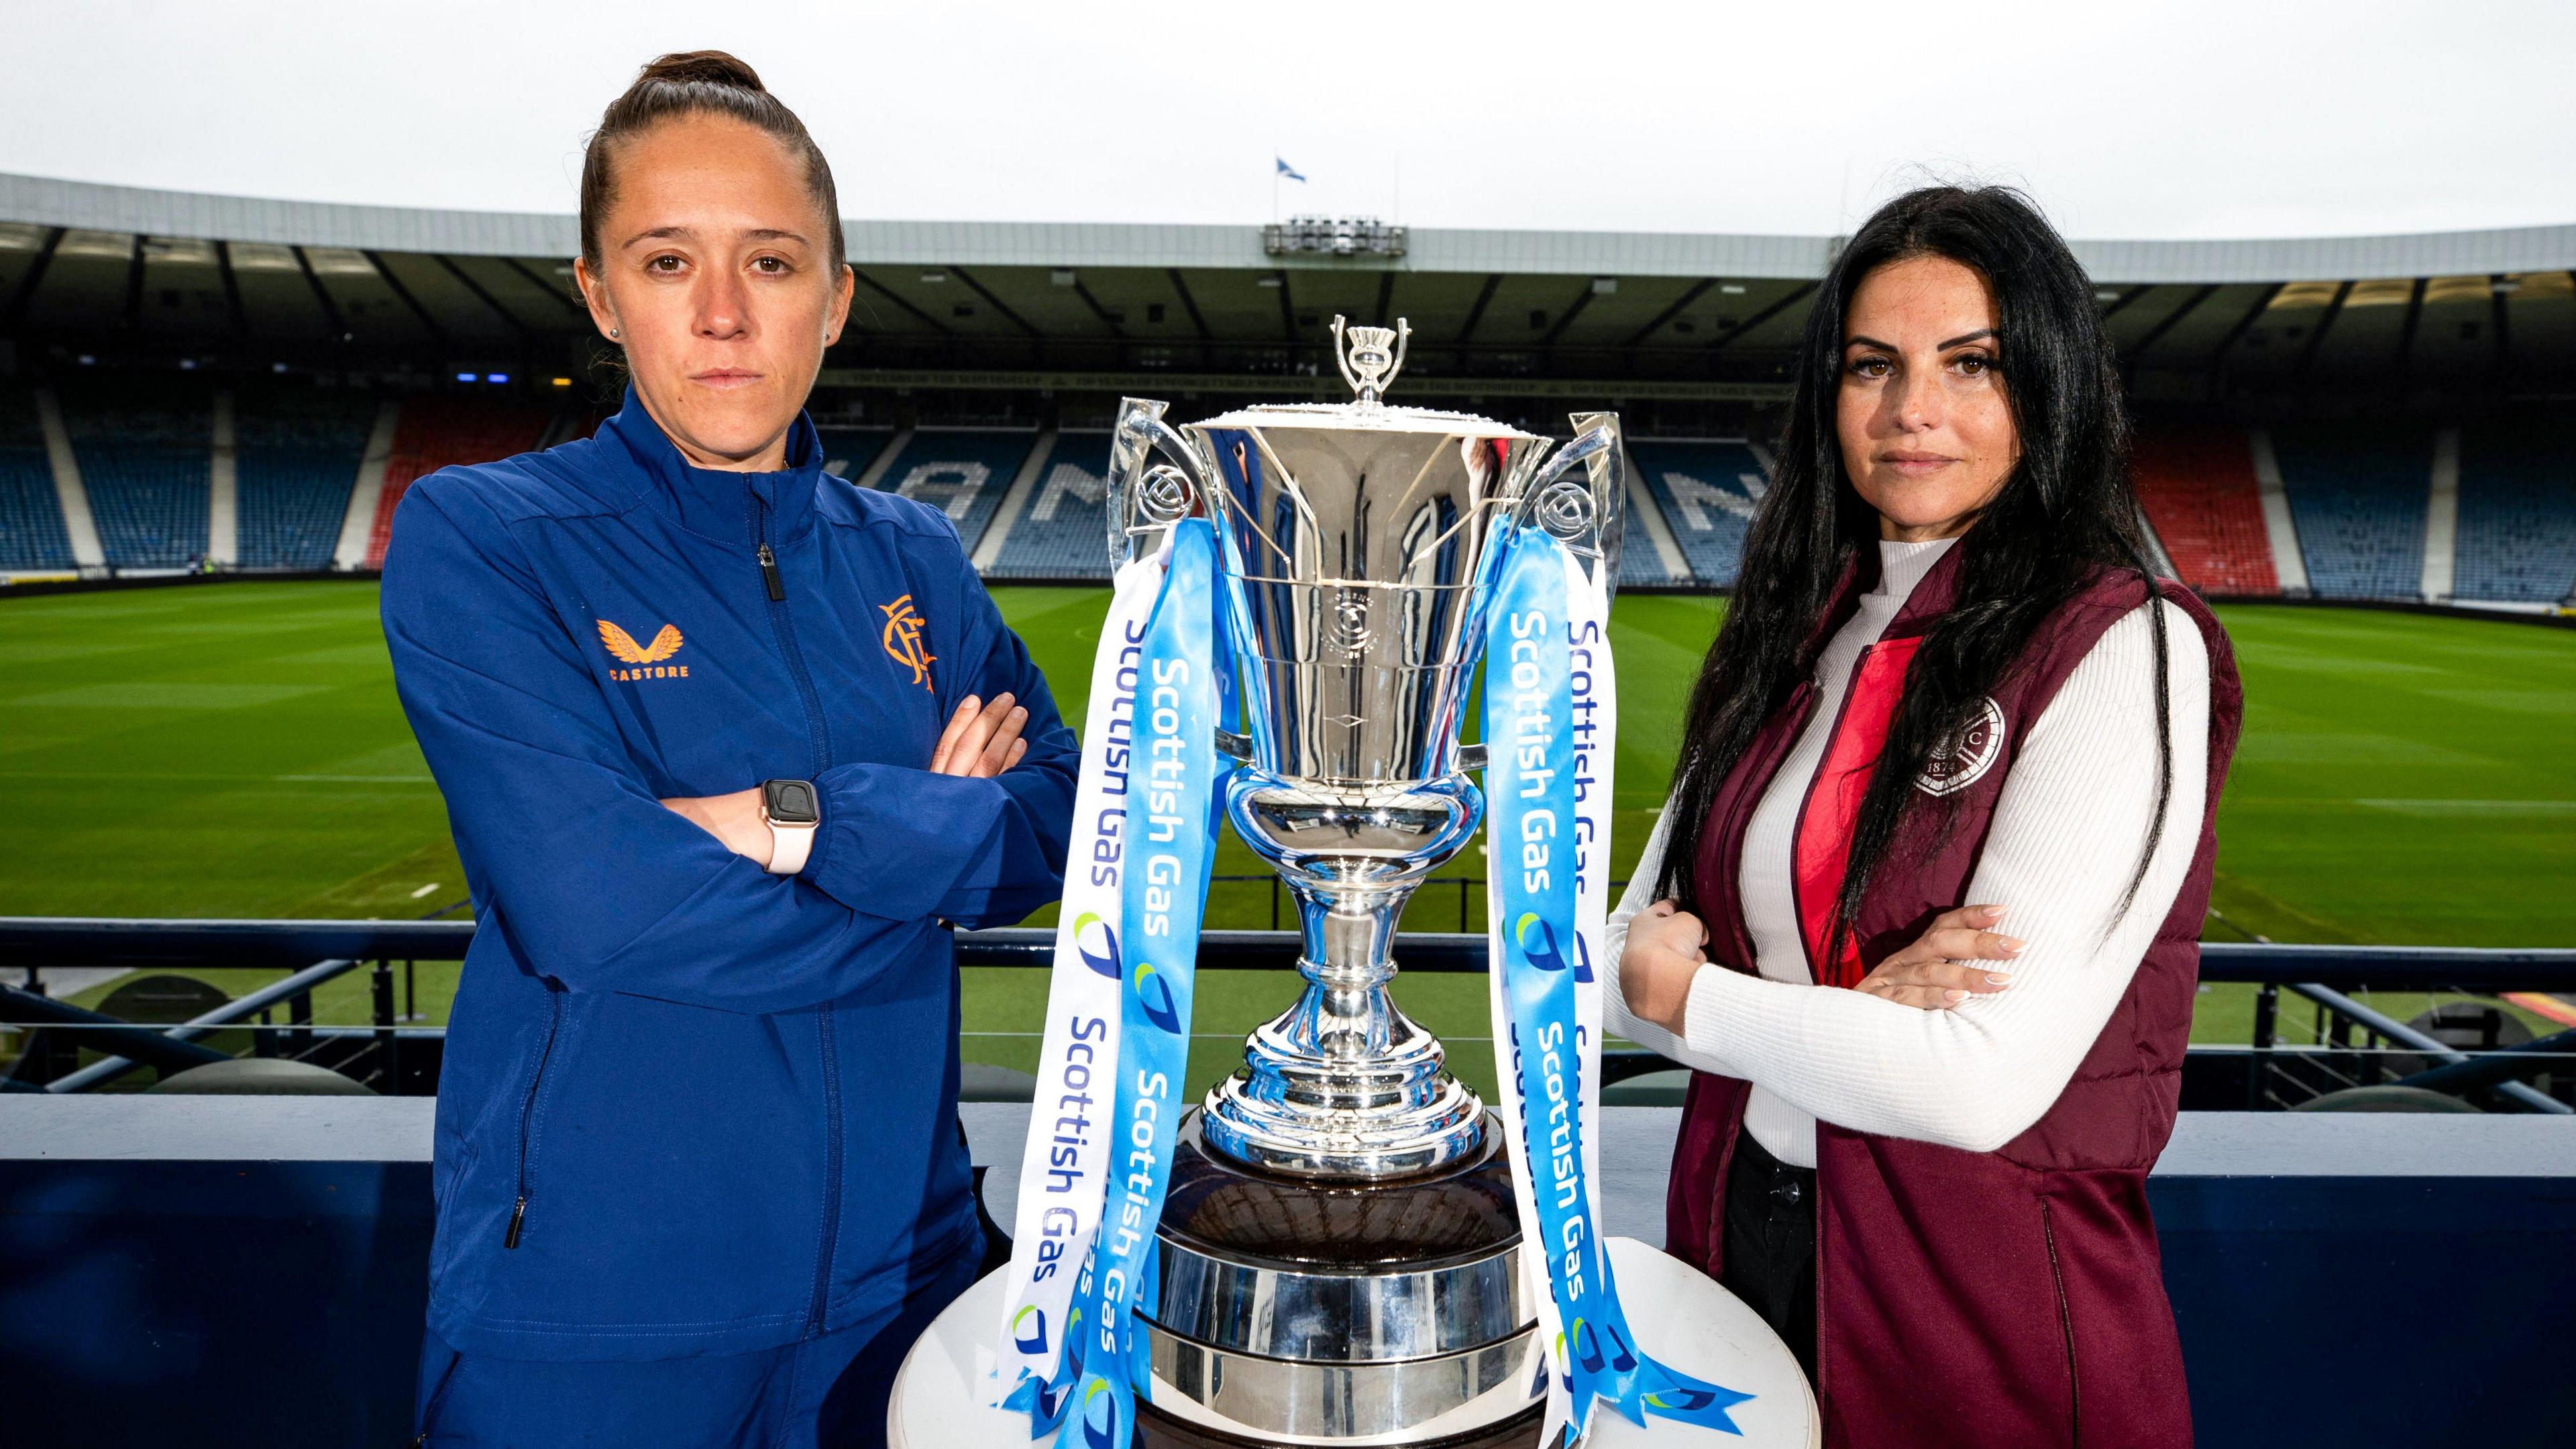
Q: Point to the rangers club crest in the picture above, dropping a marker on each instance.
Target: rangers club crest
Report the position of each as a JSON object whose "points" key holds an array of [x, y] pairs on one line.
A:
{"points": [[1962, 759]]}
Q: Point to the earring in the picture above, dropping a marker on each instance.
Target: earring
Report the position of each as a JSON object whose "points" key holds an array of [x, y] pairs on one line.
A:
{"points": [[612, 334]]}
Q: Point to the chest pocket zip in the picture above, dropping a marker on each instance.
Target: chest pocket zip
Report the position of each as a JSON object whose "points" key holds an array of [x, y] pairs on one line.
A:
{"points": [[825, 1023]]}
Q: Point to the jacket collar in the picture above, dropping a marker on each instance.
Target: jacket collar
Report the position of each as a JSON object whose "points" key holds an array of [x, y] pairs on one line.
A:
{"points": [[1931, 598], [712, 502], [1932, 595]]}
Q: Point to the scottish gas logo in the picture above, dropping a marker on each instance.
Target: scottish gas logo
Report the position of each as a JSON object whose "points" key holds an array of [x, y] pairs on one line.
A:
{"points": [[1096, 944], [1028, 1329], [1099, 1415], [1544, 955], [1154, 998]]}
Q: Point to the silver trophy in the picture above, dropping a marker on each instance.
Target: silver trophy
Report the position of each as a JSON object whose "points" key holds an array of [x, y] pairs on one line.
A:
{"points": [[1339, 1257]]}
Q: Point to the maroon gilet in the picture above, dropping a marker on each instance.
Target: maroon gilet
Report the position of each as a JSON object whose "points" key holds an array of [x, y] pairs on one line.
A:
{"points": [[1969, 1298]]}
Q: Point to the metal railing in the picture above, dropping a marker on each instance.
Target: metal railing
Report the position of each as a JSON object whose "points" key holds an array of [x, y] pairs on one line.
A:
{"points": [[2353, 1044]]}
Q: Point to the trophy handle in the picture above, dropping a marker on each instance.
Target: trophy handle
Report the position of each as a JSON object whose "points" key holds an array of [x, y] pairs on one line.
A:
{"points": [[1584, 510], [1341, 354], [1147, 497]]}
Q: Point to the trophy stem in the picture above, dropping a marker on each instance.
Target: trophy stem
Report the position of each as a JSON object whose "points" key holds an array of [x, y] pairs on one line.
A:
{"points": [[1343, 1085]]}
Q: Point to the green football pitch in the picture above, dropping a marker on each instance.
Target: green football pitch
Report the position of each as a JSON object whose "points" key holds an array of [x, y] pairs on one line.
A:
{"points": [[235, 750]]}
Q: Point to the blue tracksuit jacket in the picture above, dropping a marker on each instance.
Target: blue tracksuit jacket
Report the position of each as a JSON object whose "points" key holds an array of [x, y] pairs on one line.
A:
{"points": [[689, 1107]]}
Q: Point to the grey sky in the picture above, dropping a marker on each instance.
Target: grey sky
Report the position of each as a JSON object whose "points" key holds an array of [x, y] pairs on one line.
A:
{"points": [[2188, 119]]}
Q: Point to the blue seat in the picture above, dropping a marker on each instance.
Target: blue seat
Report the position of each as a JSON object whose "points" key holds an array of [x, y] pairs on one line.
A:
{"points": [[31, 514], [146, 462], [2517, 538], [296, 459], [1638, 562], [962, 472], [847, 452], [2358, 496], [1063, 531], [1707, 491]]}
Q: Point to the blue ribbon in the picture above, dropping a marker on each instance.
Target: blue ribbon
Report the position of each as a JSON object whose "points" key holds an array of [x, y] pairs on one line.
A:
{"points": [[1529, 784], [1171, 833]]}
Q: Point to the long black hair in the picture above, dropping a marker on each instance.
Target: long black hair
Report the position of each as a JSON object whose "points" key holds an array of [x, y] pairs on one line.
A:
{"points": [[2063, 514]]}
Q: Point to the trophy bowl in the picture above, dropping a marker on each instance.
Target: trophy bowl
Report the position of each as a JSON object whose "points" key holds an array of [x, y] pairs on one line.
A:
{"points": [[1339, 1253]]}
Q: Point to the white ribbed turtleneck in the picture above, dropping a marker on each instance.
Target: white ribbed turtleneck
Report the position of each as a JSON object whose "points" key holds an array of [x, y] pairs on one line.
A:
{"points": [[2065, 837]]}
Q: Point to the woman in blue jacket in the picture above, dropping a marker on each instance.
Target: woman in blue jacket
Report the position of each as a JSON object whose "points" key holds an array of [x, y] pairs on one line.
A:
{"points": [[728, 746]]}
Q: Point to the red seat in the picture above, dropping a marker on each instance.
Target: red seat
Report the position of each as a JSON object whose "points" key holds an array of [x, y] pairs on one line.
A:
{"points": [[435, 433], [2197, 485]]}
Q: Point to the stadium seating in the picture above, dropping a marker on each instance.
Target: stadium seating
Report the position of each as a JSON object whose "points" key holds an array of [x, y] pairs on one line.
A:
{"points": [[1707, 491], [962, 472], [2197, 485], [847, 452], [2358, 496], [2517, 539], [1063, 530], [435, 433], [31, 517], [146, 458], [295, 457], [1638, 561]]}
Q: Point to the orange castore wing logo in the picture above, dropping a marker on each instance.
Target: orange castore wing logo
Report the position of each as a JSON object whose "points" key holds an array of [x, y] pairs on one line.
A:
{"points": [[903, 639], [622, 646]]}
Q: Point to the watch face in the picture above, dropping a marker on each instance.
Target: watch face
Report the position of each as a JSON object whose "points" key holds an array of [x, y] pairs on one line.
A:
{"points": [[790, 802]]}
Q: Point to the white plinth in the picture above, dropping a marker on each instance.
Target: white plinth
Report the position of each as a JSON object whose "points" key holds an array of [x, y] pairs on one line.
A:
{"points": [[1680, 1317]]}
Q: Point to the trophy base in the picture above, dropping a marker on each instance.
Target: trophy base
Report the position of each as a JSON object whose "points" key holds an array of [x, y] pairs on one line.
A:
{"points": [[1305, 1312], [1158, 1430]]}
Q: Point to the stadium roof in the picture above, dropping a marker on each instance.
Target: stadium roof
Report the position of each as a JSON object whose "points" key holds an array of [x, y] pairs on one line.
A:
{"points": [[1014, 303]]}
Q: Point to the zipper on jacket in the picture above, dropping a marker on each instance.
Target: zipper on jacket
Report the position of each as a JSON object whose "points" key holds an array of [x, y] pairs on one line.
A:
{"points": [[825, 1022], [785, 628], [528, 1110]]}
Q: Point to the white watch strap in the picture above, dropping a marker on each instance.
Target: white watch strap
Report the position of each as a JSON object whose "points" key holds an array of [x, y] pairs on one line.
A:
{"points": [[788, 847]]}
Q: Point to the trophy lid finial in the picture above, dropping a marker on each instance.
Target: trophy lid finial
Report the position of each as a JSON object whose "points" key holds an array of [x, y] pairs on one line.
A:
{"points": [[1370, 357]]}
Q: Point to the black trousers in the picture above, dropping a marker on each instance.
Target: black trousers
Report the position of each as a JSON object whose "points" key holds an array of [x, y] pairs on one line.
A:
{"points": [[1770, 1245]]}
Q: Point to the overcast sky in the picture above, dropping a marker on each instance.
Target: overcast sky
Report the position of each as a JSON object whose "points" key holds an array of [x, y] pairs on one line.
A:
{"points": [[2237, 118]]}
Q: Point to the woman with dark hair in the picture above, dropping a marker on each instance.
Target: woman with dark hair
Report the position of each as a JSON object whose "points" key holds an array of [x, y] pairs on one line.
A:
{"points": [[728, 745], [1949, 697]]}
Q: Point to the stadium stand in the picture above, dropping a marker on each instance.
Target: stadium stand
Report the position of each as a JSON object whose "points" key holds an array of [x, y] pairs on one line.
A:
{"points": [[961, 472], [32, 536], [847, 452], [296, 455], [146, 458], [1063, 533], [435, 433], [1707, 490], [2198, 487], [1637, 561], [2517, 536], [2358, 495]]}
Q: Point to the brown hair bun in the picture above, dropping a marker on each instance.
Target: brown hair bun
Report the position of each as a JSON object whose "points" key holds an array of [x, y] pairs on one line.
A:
{"points": [[702, 67]]}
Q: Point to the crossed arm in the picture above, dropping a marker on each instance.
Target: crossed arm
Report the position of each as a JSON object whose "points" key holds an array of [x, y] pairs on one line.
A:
{"points": [[981, 740], [1930, 1047]]}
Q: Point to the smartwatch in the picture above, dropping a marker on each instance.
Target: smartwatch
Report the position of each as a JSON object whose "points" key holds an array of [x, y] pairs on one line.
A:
{"points": [[793, 811]]}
